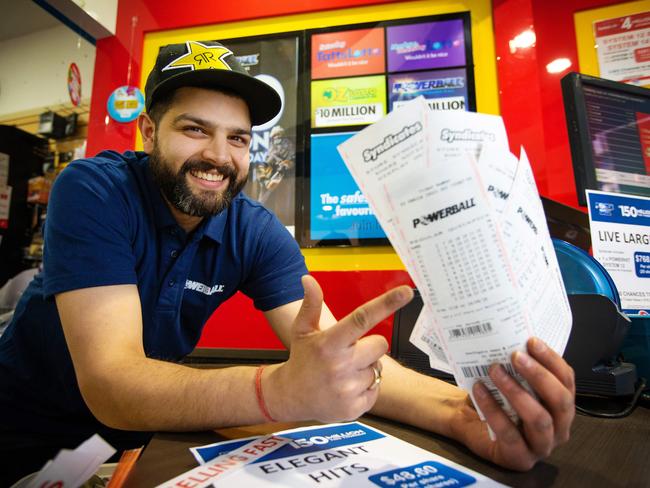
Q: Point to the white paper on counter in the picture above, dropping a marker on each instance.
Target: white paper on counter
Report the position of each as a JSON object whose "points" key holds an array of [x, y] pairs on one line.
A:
{"points": [[72, 468], [227, 464]]}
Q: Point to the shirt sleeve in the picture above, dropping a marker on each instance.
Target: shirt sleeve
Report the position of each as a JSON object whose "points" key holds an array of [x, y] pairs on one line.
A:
{"points": [[87, 238], [275, 271]]}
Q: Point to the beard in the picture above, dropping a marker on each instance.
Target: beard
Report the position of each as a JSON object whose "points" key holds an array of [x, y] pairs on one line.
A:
{"points": [[176, 190]]}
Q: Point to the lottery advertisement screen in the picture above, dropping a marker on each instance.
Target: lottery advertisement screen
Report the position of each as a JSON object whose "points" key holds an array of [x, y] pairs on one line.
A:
{"points": [[425, 46], [339, 211], [443, 89], [271, 177], [348, 101], [355, 75], [348, 53]]}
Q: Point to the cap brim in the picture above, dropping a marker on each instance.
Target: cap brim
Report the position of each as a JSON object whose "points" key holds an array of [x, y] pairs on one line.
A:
{"points": [[263, 101]]}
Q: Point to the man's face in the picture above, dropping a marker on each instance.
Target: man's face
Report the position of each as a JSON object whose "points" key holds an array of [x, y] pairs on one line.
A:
{"points": [[200, 153]]}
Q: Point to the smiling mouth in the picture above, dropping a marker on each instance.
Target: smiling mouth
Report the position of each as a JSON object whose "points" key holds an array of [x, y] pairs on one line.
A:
{"points": [[207, 176]]}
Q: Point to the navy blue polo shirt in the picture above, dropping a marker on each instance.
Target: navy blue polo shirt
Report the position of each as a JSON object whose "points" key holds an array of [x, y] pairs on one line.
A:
{"points": [[108, 224]]}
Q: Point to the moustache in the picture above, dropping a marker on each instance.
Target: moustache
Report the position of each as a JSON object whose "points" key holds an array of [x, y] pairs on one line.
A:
{"points": [[227, 170]]}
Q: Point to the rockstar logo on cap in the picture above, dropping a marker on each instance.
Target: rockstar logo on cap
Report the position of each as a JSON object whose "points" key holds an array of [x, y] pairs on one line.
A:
{"points": [[200, 56]]}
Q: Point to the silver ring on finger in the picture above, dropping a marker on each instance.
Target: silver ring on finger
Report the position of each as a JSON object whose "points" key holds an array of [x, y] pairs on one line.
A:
{"points": [[376, 369]]}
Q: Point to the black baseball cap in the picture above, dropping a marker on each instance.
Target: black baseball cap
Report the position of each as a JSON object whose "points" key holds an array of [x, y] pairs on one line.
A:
{"points": [[209, 64]]}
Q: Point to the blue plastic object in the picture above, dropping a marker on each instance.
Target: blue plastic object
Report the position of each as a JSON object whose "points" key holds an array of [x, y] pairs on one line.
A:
{"points": [[582, 274]]}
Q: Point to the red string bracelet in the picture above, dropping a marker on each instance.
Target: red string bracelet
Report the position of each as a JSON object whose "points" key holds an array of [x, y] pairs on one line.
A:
{"points": [[260, 395]]}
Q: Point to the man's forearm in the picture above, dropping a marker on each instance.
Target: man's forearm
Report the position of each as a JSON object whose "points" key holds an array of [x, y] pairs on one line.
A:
{"points": [[148, 394], [419, 400]]}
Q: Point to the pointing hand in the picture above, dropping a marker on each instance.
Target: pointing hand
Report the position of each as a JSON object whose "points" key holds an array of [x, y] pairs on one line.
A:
{"points": [[331, 374]]}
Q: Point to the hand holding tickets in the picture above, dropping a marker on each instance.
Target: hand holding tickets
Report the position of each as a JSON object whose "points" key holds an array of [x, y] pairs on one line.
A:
{"points": [[465, 217], [332, 374]]}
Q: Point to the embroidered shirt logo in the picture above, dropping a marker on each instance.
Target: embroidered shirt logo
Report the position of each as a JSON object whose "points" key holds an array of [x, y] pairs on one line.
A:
{"points": [[201, 288], [201, 56]]}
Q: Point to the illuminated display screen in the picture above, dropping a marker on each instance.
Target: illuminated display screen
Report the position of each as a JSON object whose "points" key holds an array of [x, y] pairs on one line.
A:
{"points": [[443, 89], [347, 53], [339, 211], [272, 173], [348, 101], [357, 74], [425, 46]]}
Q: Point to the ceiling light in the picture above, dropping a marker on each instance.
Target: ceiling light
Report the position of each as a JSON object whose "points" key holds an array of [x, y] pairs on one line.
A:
{"points": [[523, 40], [558, 65]]}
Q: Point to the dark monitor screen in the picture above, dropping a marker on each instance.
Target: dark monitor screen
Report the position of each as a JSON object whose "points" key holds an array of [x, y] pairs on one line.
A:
{"points": [[609, 134]]}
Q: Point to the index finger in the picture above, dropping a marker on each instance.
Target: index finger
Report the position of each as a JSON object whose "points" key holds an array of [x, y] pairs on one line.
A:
{"points": [[552, 361], [353, 326]]}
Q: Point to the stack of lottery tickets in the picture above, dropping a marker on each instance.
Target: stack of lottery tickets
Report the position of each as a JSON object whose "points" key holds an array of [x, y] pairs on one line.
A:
{"points": [[465, 217]]}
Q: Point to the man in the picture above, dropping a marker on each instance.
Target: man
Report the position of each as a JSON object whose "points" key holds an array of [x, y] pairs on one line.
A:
{"points": [[139, 250]]}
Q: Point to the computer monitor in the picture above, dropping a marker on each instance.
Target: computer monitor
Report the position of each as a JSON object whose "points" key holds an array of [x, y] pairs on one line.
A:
{"points": [[609, 134]]}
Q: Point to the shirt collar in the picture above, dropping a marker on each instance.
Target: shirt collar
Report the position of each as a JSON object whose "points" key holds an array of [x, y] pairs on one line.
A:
{"points": [[211, 227], [215, 226]]}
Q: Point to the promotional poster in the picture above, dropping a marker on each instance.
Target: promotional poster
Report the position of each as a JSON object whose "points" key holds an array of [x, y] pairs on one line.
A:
{"points": [[620, 238], [271, 178], [623, 47], [340, 455]]}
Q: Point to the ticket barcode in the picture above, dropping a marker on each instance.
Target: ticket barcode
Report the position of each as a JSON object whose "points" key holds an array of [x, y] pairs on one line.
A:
{"points": [[440, 355], [496, 394], [471, 330], [435, 348], [482, 371]]}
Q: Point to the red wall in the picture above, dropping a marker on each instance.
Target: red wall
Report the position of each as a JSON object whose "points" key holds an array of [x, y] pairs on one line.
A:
{"points": [[530, 98], [343, 291]]}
